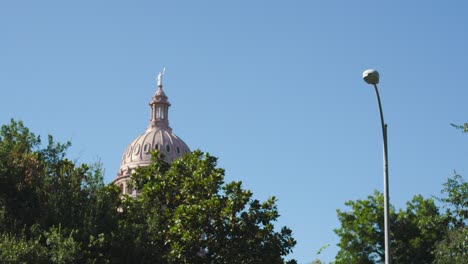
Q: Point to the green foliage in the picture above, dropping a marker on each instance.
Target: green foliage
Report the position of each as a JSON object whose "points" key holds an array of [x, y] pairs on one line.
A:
{"points": [[18, 249], [62, 248], [321, 249], [419, 234], [186, 214], [456, 200], [361, 233], [463, 127], [452, 249], [414, 231], [50, 207], [20, 176], [46, 247], [55, 211]]}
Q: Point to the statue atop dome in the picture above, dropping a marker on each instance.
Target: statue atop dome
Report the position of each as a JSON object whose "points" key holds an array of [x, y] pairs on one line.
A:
{"points": [[160, 76]]}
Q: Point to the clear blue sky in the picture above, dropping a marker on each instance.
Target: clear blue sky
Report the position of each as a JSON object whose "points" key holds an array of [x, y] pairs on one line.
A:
{"points": [[273, 88]]}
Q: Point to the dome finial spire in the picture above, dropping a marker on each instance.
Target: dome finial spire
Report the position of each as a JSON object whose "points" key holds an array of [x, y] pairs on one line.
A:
{"points": [[160, 76]]}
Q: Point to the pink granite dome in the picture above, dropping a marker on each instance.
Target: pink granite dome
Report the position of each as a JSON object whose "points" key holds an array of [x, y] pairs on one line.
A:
{"points": [[158, 136], [138, 153]]}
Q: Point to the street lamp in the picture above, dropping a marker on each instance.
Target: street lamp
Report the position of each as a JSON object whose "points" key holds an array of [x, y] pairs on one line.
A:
{"points": [[372, 77]]}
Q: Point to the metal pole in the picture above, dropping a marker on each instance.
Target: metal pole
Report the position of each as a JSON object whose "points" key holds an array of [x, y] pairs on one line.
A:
{"points": [[388, 259]]}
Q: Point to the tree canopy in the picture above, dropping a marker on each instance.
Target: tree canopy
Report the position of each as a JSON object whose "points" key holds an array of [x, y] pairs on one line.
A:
{"points": [[421, 233], [53, 210]]}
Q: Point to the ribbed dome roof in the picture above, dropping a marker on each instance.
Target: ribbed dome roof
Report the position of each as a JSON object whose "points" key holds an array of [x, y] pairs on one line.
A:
{"points": [[138, 153], [158, 136]]}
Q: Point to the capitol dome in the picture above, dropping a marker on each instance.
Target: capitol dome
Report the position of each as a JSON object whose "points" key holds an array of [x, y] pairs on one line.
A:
{"points": [[158, 136]]}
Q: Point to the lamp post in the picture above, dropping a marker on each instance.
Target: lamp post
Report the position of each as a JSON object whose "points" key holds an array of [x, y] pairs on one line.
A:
{"points": [[372, 77]]}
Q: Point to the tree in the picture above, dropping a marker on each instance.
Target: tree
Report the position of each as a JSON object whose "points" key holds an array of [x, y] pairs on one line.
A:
{"points": [[417, 230], [53, 210], [50, 204], [186, 214], [420, 233], [414, 231], [452, 249], [361, 232], [456, 200]]}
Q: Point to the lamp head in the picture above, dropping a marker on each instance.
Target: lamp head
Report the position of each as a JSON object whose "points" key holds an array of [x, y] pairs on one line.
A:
{"points": [[371, 76]]}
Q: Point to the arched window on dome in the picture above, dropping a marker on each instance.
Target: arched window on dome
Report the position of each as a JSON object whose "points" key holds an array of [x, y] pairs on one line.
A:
{"points": [[147, 148]]}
